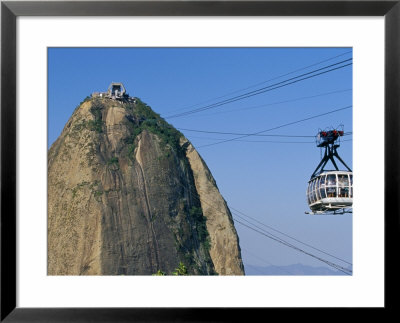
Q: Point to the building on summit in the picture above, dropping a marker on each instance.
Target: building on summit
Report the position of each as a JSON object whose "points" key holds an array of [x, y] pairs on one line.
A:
{"points": [[116, 91]]}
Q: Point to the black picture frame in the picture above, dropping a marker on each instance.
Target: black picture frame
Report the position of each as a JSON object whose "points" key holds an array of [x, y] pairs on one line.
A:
{"points": [[10, 10]]}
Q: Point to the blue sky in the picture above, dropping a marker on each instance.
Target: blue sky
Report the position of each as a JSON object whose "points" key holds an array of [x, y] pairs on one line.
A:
{"points": [[264, 177]]}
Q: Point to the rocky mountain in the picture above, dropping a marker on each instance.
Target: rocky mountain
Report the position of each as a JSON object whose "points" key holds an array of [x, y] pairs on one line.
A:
{"points": [[129, 195]]}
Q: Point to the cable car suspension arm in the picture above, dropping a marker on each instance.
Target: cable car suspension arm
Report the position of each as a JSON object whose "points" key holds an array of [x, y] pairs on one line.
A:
{"points": [[330, 152]]}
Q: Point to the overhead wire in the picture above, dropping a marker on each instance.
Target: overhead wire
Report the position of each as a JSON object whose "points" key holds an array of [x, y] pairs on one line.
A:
{"points": [[266, 89], [242, 134], [259, 135], [277, 127], [268, 141], [283, 241], [286, 235], [263, 82], [329, 263], [275, 103]]}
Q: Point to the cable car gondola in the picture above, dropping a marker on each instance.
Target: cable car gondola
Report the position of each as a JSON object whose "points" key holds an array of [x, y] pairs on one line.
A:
{"points": [[330, 191]]}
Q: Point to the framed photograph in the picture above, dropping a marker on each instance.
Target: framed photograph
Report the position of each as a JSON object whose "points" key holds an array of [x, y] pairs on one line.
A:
{"points": [[213, 143]]}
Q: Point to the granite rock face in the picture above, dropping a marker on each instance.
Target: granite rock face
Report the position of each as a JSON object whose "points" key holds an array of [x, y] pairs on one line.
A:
{"points": [[129, 195]]}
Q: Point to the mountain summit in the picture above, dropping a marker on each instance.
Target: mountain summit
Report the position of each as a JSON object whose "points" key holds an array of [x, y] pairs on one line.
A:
{"points": [[129, 195]]}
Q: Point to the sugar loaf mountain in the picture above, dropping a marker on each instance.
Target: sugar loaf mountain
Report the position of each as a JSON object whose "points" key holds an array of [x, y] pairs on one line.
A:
{"points": [[129, 195]]}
